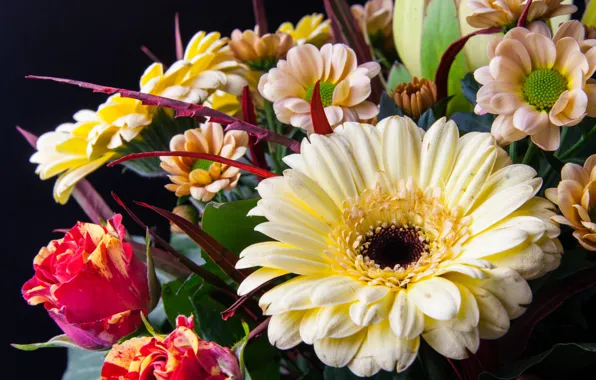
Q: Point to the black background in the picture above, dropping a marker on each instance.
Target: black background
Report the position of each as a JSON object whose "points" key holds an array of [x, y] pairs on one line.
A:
{"points": [[95, 41]]}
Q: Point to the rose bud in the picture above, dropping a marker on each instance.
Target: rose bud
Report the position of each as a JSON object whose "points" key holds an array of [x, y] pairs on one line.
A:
{"points": [[91, 284], [180, 355]]}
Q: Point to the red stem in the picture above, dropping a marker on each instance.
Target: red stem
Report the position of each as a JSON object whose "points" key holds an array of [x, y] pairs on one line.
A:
{"points": [[257, 153], [442, 73], [150, 54], [205, 156], [258, 7], [260, 329], [455, 369], [524, 16]]}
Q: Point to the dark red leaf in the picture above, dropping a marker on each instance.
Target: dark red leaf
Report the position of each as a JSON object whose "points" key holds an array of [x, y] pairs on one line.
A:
{"points": [[178, 37], [205, 156], [258, 8], [229, 312], [514, 343], [442, 73], [150, 54], [30, 137], [524, 16], [222, 257], [320, 123], [207, 276], [257, 153], [183, 109]]}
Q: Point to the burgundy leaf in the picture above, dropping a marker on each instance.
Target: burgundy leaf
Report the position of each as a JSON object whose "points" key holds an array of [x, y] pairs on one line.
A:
{"points": [[515, 342], [258, 7], [163, 258], [205, 156], [182, 109], [84, 193], [150, 54], [178, 37], [442, 73], [207, 276], [257, 153], [317, 112], [524, 16], [222, 257], [229, 312]]}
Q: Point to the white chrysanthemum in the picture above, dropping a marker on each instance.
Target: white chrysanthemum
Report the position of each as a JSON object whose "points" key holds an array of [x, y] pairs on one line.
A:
{"points": [[394, 236]]}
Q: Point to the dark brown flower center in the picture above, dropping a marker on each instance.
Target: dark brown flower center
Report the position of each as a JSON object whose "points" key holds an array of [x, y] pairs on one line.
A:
{"points": [[393, 246]]}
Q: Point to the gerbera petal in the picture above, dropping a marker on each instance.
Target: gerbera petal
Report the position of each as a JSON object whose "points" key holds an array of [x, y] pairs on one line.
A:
{"points": [[338, 352], [284, 329], [436, 297]]}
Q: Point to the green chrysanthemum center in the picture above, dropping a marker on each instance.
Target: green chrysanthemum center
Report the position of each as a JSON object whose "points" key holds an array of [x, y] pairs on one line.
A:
{"points": [[202, 164], [326, 93], [543, 87]]}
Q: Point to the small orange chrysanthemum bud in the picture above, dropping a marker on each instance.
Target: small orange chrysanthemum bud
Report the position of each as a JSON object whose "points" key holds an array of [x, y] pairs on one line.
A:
{"points": [[416, 96], [260, 53]]}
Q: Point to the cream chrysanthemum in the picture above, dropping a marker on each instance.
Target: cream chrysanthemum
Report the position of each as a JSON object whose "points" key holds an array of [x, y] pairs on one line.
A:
{"points": [[311, 29], [70, 152], [200, 178], [537, 84], [488, 13], [394, 236], [344, 86], [576, 197]]}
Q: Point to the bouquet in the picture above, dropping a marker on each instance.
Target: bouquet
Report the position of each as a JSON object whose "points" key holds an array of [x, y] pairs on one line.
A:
{"points": [[395, 190]]}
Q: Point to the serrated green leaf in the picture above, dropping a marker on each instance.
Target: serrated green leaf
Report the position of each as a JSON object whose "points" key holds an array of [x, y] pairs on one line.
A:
{"points": [[155, 137], [564, 354], [83, 364], [57, 341], [229, 225], [398, 74], [439, 30], [470, 122], [388, 107]]}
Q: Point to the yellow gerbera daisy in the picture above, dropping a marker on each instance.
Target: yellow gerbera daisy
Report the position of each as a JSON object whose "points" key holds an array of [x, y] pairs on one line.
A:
{"points": [[393, 236], [537, 84], [311, 29]]}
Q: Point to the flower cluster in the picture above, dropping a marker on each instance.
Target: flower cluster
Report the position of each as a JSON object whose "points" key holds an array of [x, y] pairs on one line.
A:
{"points": [[326, 195]]}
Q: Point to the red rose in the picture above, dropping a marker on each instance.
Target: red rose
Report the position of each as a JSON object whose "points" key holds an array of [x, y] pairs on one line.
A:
{"points": [[91, 284], [182, 355]]}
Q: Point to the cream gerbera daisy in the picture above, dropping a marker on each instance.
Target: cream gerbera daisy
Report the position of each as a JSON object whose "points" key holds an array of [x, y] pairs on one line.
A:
{"points": [[576, 197], [344, 86], [311, 29], [537, 84], [393, 236], [200, 178], [488, 13]]}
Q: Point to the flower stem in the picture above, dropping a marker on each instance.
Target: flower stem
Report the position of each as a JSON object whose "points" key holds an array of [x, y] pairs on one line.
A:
{"points": [[532, 150], [579, 144], [513, 151]]}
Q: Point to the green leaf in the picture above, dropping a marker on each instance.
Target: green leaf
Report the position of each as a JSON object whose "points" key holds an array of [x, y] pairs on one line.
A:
{"points": [[83, 364], [388, 107], [185, 245], [470, 87], [154, 285], [229, 225], [210, 325], [439, 30], [560, 357], [57, 341], [156, 136], [398, 74], [262, 359], [177, 295], [470, 122]]}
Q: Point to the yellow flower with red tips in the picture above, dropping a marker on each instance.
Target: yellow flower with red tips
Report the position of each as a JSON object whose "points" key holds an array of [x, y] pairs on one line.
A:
{"points": [[537, 84], [576, 197], [180, 355], [311, 29]]}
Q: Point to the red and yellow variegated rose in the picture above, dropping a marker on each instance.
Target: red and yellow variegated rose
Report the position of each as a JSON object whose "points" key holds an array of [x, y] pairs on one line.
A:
{"points": [[182, 355], [91, 284]]}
